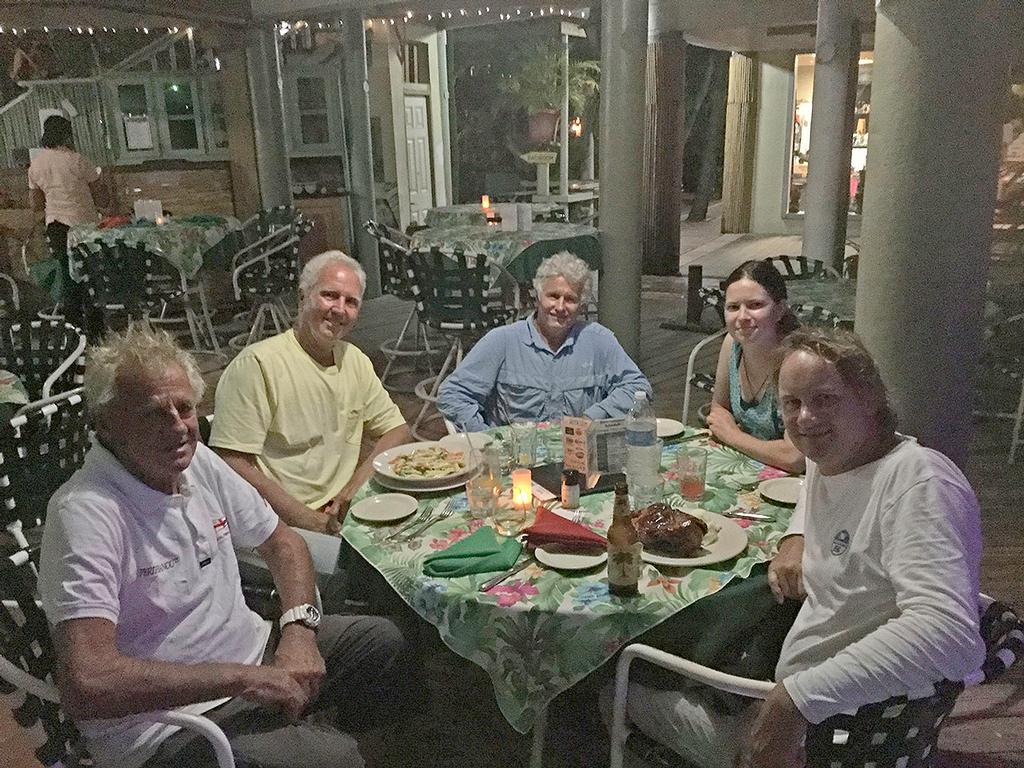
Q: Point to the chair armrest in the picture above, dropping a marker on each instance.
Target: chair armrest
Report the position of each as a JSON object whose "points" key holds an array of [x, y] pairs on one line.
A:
{"points": [[205, 727], [237, 271], [690, 362], [279, 233], [71, 360], [757, 689]]}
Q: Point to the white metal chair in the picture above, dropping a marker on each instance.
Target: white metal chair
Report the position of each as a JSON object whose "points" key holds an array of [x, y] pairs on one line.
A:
{"points": [[27, 664], [713, 302], [898, 732], [47, 355], [265, 274]]}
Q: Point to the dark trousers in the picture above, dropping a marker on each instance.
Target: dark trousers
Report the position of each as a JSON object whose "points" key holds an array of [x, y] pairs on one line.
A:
{"points": [[77, 309], [361, 655]]}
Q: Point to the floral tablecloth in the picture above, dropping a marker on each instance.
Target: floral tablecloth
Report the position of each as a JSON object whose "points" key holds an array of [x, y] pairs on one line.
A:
{"points": [[519, 251], [542, 631], [183, 241], [472, 213]]}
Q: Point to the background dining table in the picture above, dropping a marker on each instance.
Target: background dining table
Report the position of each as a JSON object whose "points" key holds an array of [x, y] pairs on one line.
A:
{"points": [[542, 630], [474, 213], [184, 241], [518, 251]]}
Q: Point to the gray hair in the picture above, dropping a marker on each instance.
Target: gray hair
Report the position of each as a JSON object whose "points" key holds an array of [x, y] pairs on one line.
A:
{"points": [[567, 265], [854, 364], [141, 347], [311, 272]]}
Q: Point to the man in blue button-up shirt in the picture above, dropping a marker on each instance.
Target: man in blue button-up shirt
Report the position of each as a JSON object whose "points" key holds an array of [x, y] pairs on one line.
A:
{"points": [[550, 365]]}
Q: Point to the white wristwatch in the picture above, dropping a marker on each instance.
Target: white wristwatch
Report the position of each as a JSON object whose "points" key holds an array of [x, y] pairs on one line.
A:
{"points": [[307, 615]]}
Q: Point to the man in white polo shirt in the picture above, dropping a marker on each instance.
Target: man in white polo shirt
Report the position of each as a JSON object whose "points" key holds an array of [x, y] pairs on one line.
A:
{"points": [[140, 583]]}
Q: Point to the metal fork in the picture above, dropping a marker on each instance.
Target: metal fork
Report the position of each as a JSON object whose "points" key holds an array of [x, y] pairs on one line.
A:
{"points": [[421, 517], [444, 514]]}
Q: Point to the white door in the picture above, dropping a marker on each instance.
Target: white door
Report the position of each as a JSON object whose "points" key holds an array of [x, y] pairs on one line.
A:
{"points": [[417, 154]]}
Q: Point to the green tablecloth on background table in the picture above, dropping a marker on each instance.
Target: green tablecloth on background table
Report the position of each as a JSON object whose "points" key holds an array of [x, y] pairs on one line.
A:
{"points": [[473, 213], [838, 296], [184, 241], [542, 631], [519, 251]]}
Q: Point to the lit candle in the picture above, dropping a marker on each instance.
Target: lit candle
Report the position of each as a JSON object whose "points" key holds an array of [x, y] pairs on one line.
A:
{"points": [[485, 201], [522, 489], [159, 220]]}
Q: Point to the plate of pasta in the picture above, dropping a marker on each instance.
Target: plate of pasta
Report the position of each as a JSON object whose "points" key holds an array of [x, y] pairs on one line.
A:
{"points": [[426, 463]]}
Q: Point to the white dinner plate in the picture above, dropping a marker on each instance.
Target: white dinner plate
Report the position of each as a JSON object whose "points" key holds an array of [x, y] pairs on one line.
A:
{"points": [[464, 440], [384, 507], [669, 428], [730, 542], [420, 486], [382, 465], [781, 490], [569, 561]]}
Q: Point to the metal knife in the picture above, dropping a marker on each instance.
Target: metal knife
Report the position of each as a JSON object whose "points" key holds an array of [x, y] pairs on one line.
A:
{"points": [[492, 583]]}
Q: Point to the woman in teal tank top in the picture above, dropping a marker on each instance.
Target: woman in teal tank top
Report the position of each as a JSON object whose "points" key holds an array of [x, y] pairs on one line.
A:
{"points": [[744, 411]]}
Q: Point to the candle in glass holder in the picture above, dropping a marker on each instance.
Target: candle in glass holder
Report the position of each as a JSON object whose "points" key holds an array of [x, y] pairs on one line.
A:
{"points": [[485, 201], [522, 489], [160, 220]]}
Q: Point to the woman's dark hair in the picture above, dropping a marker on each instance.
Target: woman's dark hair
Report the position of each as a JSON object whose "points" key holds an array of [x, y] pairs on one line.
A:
{"points": [[768, 277], [57, 133]]}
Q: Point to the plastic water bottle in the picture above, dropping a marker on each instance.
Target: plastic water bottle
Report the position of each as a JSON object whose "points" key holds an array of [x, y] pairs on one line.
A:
{"points": [[641, 440]]}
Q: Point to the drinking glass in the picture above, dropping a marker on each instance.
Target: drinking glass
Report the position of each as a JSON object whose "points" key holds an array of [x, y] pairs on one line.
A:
{"points": [[691, 466], [524, 438], [553, 445], [508, 520], [505, 453], [647, 491], [482, 493]]}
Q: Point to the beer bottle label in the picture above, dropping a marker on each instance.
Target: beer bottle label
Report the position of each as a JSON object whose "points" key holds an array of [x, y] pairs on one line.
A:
{"points": [[624, 564]]}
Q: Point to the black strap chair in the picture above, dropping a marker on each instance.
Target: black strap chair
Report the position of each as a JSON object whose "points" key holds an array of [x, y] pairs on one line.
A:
{"points": [[895, 733], [40, 448], [10, 298], [460, 296], [47, 355], [802, 268], [27, 666], [393, 256]]}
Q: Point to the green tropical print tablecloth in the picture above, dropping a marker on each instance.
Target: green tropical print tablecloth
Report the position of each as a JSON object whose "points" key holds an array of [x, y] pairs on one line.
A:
{"points": [[541, 631], [519, 251], [183, 241]]}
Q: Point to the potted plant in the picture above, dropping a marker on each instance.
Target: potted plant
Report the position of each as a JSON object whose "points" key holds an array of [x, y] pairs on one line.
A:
{"points": [[536, 83]]}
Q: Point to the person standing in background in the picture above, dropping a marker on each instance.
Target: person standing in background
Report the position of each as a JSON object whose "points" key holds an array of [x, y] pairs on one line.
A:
{"points": [[64, 184]]}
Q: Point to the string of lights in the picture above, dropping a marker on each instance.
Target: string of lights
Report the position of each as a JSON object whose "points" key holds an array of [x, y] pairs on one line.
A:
{"points": [[406, 17]]}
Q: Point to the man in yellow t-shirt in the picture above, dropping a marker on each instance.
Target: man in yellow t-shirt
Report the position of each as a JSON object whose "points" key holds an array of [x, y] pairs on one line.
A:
{"points": [[291, 410]]}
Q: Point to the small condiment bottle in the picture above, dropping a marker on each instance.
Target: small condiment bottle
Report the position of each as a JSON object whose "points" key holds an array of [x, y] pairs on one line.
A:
{"points": [[624, 548], [570, 489]]}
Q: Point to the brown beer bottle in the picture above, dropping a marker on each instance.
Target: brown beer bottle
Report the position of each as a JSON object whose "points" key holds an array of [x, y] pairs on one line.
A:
{"points": [[623, 548]]}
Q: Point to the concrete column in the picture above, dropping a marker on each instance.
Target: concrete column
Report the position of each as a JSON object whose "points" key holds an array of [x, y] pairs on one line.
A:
{"points": [[360, 148], [263, 64], [623, 55], [826, 199], [664, 129], [740, 140], [939, 77]]}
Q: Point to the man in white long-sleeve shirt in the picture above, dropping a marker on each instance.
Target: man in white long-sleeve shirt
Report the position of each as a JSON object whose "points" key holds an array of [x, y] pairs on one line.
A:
{"points": [[892, 544]]}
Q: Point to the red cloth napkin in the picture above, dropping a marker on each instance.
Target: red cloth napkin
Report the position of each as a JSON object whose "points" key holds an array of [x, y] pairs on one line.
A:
{"points": [[114, 221], [549, 528]]}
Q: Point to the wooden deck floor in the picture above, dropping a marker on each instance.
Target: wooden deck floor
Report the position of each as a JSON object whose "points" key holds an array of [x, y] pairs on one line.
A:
{"points": [[986, 731]]}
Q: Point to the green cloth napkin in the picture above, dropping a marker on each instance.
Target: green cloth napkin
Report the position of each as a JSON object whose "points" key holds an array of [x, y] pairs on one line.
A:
{"points": [[480, 552]]}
